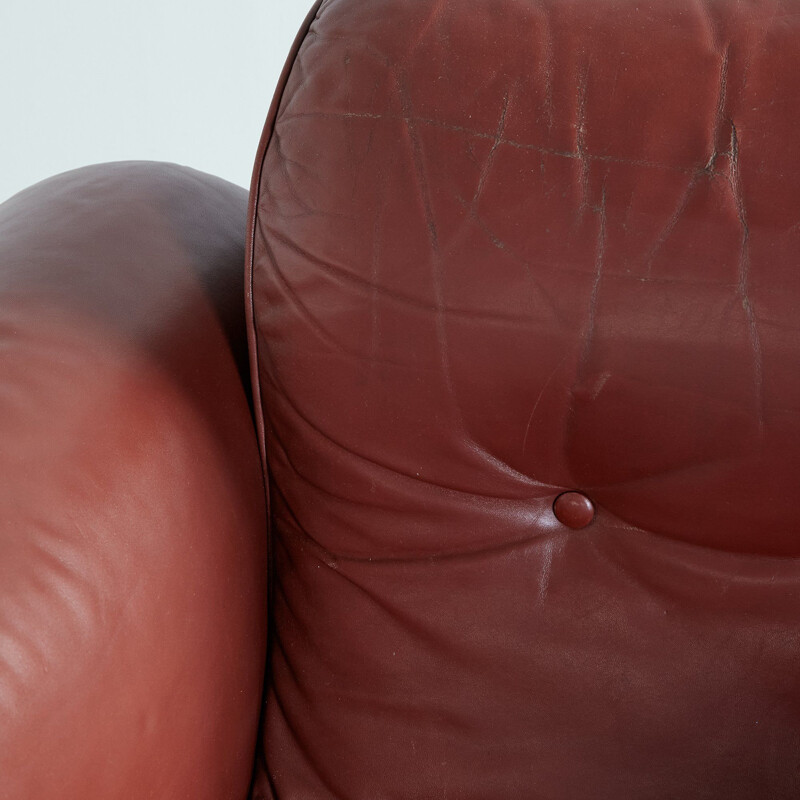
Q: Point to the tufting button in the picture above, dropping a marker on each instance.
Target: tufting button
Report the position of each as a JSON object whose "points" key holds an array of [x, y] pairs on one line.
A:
{"points": [[573, 509]]}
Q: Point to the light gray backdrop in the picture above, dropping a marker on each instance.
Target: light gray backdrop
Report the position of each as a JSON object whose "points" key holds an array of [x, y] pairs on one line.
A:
{"points": [[86, 81]]}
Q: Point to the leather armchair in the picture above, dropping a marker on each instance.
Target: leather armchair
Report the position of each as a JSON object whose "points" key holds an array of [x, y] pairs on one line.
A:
{"points": [[520, 289]]}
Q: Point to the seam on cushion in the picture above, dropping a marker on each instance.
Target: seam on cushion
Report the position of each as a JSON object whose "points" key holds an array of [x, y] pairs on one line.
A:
{"points": [[252, 213], [250, 320]]}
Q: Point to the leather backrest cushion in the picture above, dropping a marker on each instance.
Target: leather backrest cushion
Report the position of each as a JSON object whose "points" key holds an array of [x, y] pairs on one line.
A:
{"points": [[502, 250], [132, 535]]}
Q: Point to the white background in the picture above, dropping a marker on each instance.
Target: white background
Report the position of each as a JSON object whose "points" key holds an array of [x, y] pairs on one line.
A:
{"points": [[87, 81]]}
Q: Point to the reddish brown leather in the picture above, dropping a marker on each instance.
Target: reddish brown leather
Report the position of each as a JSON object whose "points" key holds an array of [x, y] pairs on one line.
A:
{"points": [[132, 563], [505, 250]]}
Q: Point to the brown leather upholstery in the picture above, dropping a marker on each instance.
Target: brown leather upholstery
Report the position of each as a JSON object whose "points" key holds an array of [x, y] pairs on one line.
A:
{"points": [[132, 557], [501, 251]]}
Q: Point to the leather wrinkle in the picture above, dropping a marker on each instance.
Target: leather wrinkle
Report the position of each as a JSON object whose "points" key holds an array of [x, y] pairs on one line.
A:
{"points": [[342, 274], [498, 550], [420, 172], [574, 155], [406, 621], [525, 479], [324, 334]]}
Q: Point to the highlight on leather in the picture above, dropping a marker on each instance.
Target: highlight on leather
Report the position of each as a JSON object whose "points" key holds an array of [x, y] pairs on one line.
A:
{"points": [[503, 251], [132, 528]]}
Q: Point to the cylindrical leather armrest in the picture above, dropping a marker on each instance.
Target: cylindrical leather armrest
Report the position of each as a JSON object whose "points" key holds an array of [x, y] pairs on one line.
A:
{"points": [[132, 541]]}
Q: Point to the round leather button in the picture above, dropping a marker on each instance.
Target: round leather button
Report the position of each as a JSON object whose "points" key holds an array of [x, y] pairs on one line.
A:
{"points": [[573, 509]]}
